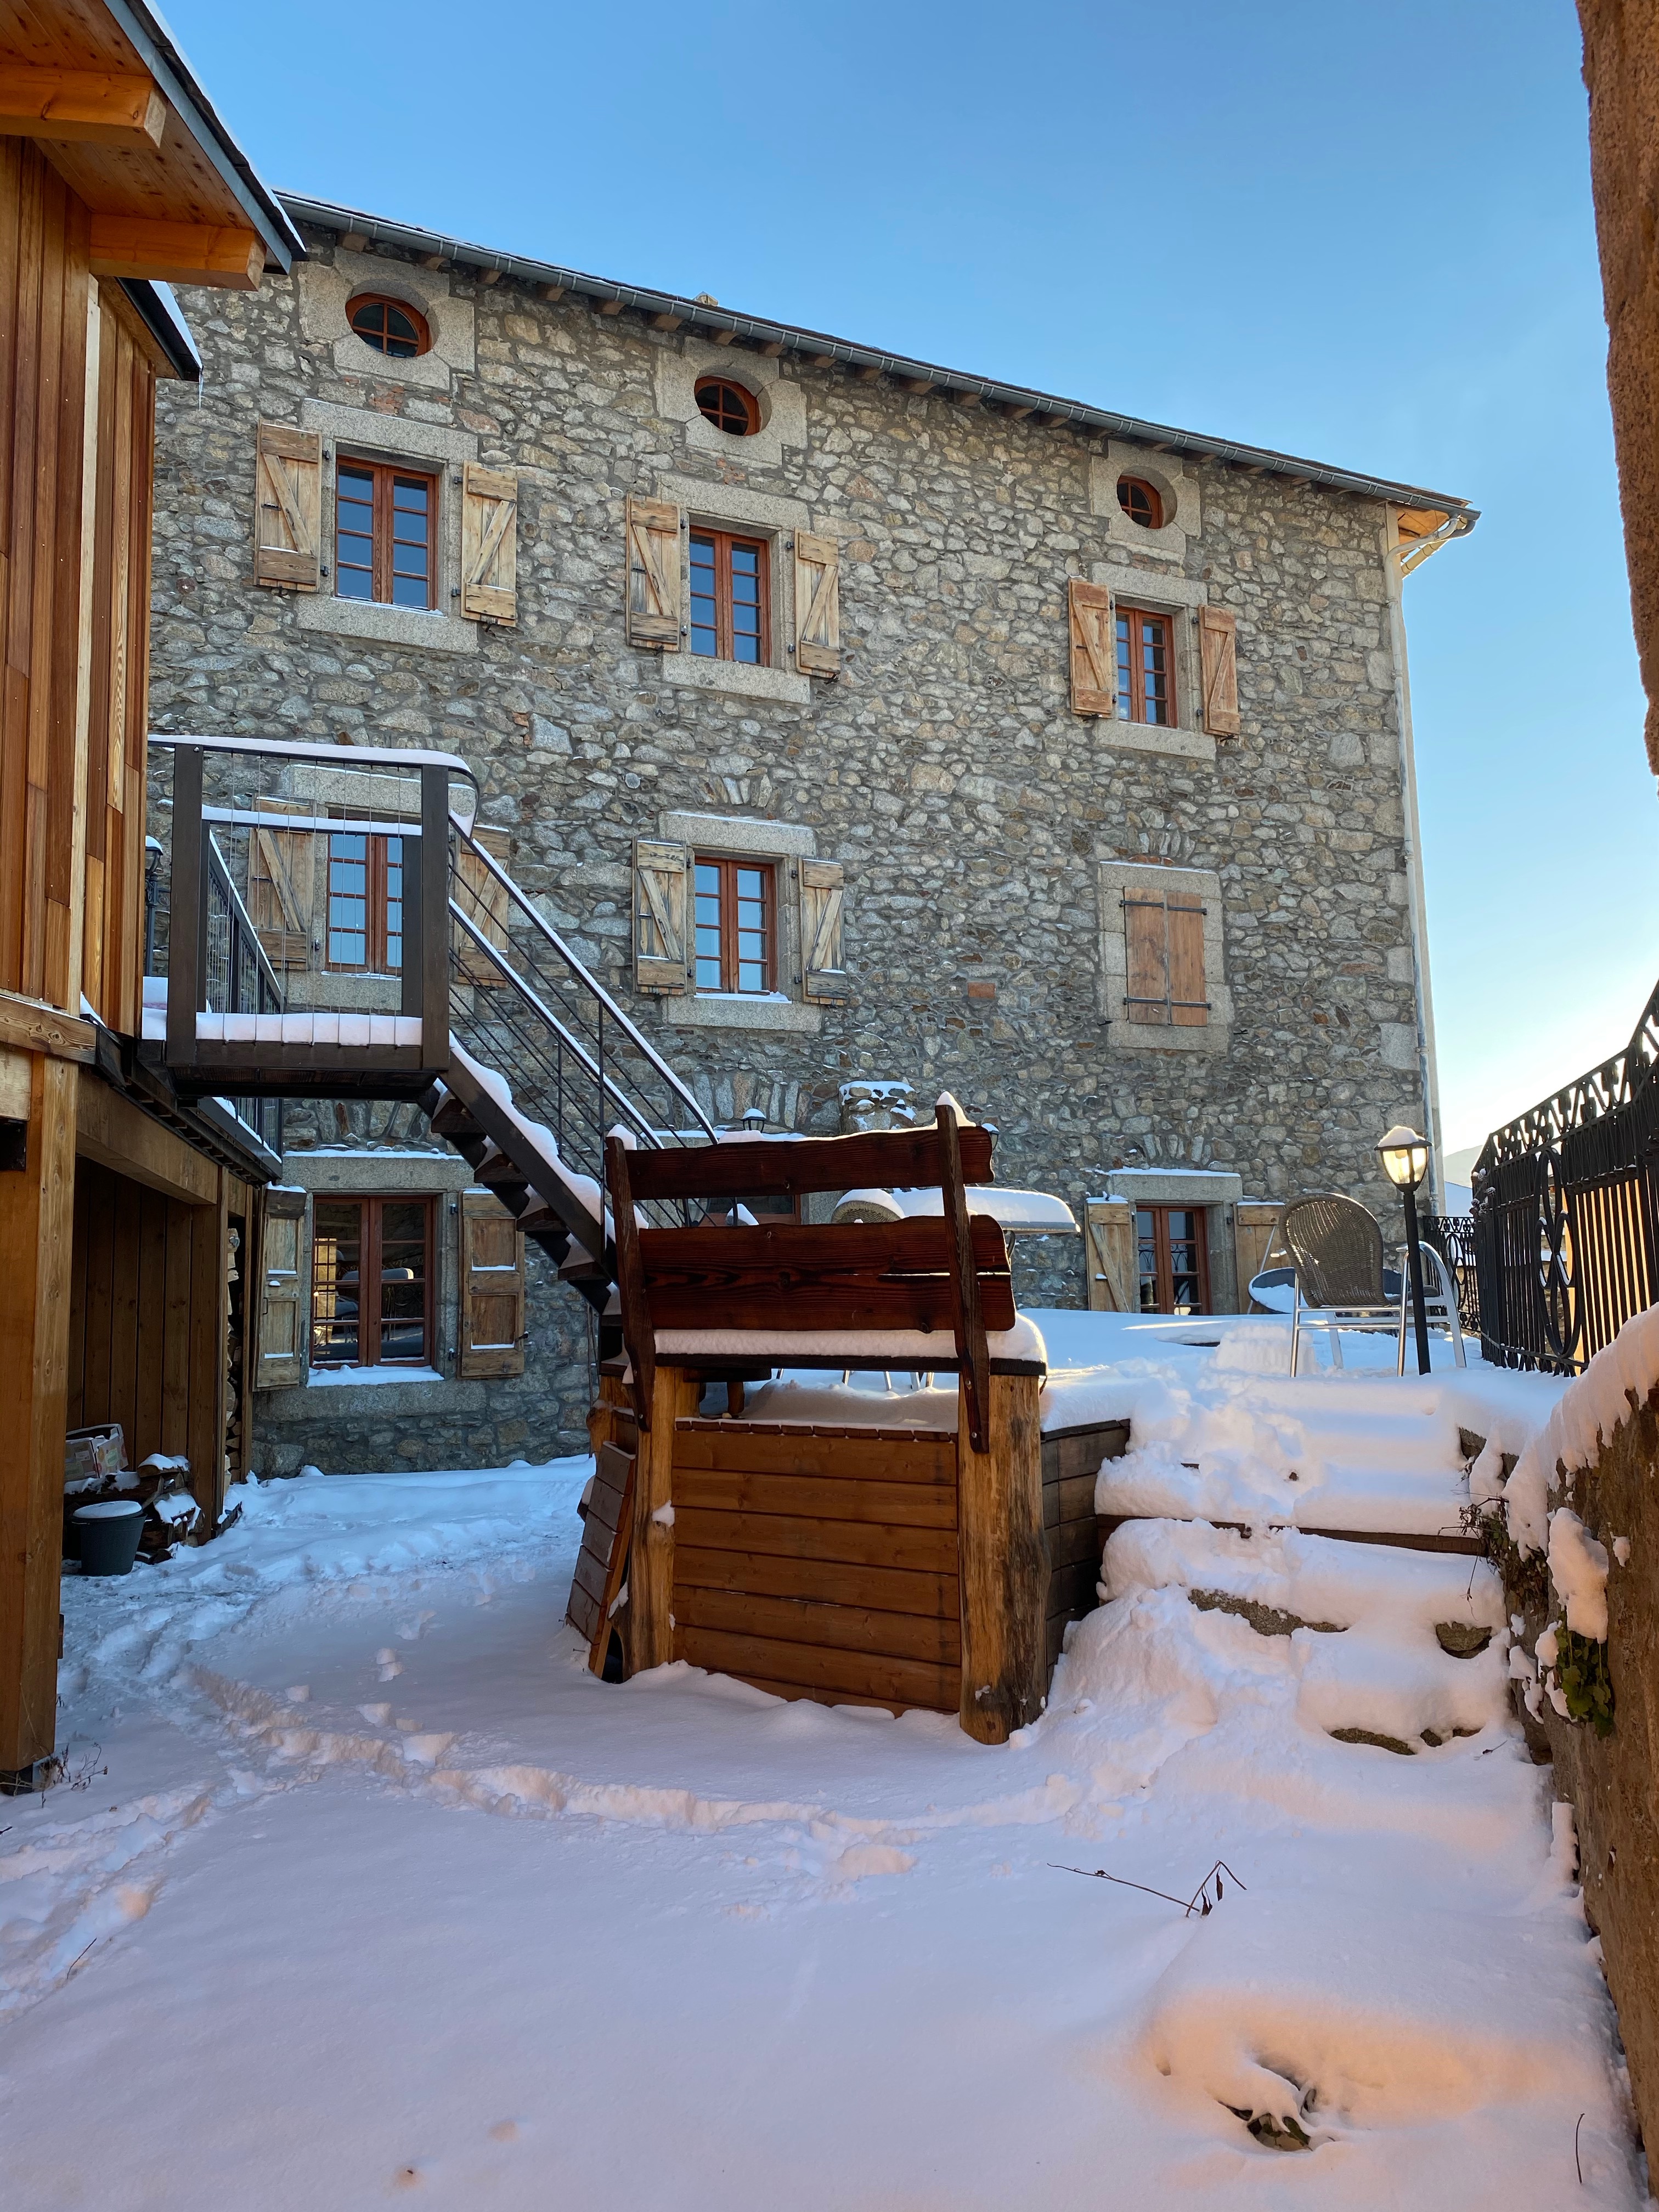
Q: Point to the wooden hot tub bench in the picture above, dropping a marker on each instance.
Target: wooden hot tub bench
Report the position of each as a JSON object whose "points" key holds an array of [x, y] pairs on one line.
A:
{"points": [[903, 1567]]}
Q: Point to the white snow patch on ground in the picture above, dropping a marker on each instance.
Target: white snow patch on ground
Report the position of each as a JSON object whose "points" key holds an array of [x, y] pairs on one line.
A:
{"points": [[356, 1847]]}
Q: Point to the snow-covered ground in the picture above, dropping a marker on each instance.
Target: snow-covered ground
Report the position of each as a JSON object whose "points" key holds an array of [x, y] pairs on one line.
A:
{"points": [[360, 1883]]}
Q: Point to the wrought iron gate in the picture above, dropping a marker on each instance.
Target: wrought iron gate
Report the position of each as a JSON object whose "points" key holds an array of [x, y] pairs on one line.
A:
{"points": [[1565, 1217]]}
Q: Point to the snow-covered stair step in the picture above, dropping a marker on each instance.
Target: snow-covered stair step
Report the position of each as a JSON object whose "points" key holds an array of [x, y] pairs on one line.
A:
{"points": [[1386, 1647]]}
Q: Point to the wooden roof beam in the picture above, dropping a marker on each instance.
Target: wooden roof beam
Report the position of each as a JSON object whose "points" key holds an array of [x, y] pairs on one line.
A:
{"points": [[97, 108], [133, 247]]}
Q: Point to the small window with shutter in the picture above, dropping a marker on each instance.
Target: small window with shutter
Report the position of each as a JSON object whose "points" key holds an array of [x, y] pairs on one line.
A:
{"points": [[1162, 942]]}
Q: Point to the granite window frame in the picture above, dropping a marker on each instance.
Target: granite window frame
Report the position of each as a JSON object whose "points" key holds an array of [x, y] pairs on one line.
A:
{"points": [[1117, 881]]}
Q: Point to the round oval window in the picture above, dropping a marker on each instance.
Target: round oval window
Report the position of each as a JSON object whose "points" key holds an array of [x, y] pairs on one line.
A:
{"points": [[390, 326], [1140, 502], [728, 406]]}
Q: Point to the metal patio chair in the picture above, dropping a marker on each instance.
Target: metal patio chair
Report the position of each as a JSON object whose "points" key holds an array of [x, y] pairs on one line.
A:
{"points": [[1336, 1251]]}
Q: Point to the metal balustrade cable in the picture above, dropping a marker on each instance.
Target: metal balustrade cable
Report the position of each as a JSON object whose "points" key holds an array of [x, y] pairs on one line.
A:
{"points": [[524, 1004]]}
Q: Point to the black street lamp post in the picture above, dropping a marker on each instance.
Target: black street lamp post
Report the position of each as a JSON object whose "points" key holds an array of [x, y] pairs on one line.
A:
{"points": [[1405, 1158]]}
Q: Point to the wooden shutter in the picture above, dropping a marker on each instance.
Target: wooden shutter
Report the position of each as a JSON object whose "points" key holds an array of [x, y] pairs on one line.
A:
{"points": [[1094, 649], [822, 966], [281, 1354], [1188, 1005], [485, 902], [1114, 1282], [661, 956], [281, 889], [489, 544], [654, 574], [287, 514], [1145, 933], [492, 1289], [1218, 653], [817, 606]]}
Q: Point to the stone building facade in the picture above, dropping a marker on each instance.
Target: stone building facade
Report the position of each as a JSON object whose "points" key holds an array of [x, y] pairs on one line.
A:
{"points": [[986, 839]]}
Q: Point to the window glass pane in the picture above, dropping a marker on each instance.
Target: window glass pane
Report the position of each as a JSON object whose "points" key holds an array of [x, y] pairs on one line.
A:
{"points": [[705, 637], [745, 604], [1125, 687], [354, 536], [347, 900], [403, 1280], [708, 902], [750, 916], [410, 551], [336, 1254], [1154, 659], [394, 905], [1146, 1256], [402, 339]]}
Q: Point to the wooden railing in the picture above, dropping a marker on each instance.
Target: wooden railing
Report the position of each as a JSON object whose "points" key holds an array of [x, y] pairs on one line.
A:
{"points": [[1567, 1229]]}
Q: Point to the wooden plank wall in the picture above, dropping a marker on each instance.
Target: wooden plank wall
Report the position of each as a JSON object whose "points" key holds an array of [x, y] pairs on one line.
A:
{"points": [[820, 1562], [112, 959], [147, 1341], [1071, 1461], [44, 289]]}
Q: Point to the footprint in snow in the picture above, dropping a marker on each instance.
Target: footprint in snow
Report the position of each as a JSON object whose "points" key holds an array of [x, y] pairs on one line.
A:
{"points": [[412, 1630], [390, 1664]]}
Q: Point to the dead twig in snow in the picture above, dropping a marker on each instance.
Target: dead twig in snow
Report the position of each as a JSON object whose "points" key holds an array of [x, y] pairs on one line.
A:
{"points": [[1199, 1902], [1575, 2158]]}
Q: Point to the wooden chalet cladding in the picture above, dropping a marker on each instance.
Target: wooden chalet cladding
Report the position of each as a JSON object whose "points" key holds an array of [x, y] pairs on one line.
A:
{"points": [[114, 1278]]}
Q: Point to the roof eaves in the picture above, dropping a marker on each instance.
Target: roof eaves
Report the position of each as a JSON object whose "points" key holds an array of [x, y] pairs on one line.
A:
{"points": [[178, 82], [156, 307], [712, 321]]}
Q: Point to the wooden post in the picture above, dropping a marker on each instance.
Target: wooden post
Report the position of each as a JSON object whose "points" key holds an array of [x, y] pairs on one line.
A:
{"points": [[971, 1348], [37, 1229], [637, 1333], [434, 918], [186, 908], [1003, 1557], [651, 1567], [209, 1321]]}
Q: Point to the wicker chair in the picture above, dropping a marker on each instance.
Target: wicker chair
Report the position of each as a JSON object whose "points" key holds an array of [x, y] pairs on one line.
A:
{"points": [[1336, 1248]]}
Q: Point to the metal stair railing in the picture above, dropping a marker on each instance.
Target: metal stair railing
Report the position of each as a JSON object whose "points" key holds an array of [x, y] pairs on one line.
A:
{"points": [[525, 1005]]}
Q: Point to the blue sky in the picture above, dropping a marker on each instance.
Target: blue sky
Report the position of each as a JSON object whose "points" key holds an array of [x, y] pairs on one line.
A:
{"points": [[1359, 232]]}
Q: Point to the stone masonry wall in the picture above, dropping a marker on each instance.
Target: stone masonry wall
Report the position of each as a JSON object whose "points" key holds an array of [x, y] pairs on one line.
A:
{"points": [[972, 811]]}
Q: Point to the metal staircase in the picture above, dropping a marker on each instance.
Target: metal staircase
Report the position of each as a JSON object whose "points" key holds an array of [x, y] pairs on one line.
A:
{"points": [[545, 1064]]}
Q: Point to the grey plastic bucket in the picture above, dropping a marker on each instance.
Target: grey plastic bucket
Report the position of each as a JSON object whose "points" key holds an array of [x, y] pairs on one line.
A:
{"points": [[109, 1535]]}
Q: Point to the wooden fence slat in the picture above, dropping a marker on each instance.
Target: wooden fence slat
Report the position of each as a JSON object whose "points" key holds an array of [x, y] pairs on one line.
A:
{"points": [[896, 1504], [846, 1543], [819, 1672], [770, 1574], [823, 1624]]}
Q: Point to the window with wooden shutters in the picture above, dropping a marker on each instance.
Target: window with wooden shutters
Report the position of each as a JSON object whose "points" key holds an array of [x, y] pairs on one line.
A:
{"points": [[817, 606], [1165, 935], [823, 964], [492, 1325], [1094, 649], [481, 897], [282, 1360], [287, 507], [489, 544], [655, 597], [660, 958], [1218, 652]]}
